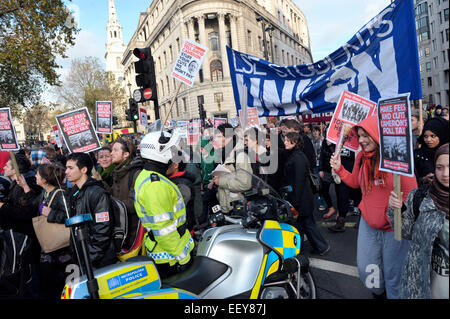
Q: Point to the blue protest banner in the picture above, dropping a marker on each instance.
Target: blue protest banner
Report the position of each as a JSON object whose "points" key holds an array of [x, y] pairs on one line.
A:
{"points": [[380, 60]]}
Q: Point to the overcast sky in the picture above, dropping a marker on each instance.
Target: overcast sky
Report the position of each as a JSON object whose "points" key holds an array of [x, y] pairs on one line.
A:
{"points": [[331, 24]]}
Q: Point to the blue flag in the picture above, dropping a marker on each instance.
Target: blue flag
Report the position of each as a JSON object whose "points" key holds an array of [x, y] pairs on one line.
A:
{"points": [[380, 61]]}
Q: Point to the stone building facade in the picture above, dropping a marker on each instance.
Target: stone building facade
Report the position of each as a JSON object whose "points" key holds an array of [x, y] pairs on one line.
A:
{"points": [[215, 24], [432, 26]]}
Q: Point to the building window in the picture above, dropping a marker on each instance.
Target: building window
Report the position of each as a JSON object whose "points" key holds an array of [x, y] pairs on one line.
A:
{"points": [[446, 12], [427, 51], [428, 66], [184, 104], [214, 41], [430, 81], [249, 39], [216, 70], [200, 99]]}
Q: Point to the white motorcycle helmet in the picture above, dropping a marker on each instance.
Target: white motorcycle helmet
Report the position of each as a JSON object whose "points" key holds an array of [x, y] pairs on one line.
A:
{"points": [[157, 146]]}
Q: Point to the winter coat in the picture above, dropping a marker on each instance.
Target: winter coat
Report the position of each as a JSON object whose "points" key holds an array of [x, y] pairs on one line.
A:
{"points": [[422, 232], [20, 207], [374, 204], [296, 174], [93, 199], [232, 185], [122, 188]]}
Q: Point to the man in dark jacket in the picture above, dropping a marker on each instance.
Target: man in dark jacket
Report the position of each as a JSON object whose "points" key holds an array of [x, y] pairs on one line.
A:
{"points": [[127, 169], [88, 196]]}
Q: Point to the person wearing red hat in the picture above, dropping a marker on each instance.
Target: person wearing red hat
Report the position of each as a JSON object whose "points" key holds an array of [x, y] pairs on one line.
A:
{"points": [[379, 256]]}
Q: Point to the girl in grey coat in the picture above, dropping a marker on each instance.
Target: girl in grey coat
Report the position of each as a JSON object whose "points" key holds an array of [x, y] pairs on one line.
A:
{"points": [[425, 272]]}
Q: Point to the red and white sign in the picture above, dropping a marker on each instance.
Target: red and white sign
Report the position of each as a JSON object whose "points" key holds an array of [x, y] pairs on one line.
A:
{"points": [[104, 116], [148, 93], [252, 117], [193, 133], [189, 62], [102, 217], [351, 109], [218, 121], [8, 137], [57, 135]]}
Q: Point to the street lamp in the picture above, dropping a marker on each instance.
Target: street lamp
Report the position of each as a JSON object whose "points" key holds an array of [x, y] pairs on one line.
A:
{"points": [[270, 29], [263, 25]]}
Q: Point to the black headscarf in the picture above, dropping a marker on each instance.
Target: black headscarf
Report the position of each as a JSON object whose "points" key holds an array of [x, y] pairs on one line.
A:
{"points": [[438, 126]]}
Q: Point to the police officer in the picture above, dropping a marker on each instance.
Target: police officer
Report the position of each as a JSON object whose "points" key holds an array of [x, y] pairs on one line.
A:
{"points": [[160, 206]]}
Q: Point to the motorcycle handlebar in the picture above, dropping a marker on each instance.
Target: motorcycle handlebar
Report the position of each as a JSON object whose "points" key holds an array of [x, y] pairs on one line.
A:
{"points": [[233, 220]]}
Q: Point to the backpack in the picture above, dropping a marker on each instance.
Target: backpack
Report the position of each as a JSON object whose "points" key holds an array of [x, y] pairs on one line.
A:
{"points": [[120, 229], [15, 262]]}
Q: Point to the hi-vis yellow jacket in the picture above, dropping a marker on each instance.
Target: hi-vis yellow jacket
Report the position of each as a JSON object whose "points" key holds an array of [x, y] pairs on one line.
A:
{"points": [[160, 207]]}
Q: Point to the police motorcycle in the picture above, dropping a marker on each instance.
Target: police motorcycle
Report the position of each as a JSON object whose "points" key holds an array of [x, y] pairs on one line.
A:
{"points": [[254, 253]]}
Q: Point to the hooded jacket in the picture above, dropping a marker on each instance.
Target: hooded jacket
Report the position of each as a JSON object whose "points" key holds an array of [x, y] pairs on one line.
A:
{"points": [[374, 204]]}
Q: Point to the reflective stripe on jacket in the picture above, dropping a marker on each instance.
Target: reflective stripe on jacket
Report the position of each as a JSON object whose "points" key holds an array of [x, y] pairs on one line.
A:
{"points": [[160, 207]]}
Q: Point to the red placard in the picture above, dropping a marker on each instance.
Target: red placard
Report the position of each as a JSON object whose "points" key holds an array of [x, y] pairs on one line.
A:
{"points": [[351, 109]]}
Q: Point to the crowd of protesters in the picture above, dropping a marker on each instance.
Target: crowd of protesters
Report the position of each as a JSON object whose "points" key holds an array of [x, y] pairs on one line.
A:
{"points": [[415, 267]]}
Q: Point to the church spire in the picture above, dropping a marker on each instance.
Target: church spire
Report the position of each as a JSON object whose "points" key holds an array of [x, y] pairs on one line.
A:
{"points": [[114, 44], [113, 28], [112, 13]]}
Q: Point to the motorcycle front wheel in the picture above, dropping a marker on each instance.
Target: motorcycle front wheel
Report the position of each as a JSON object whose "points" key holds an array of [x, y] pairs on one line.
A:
{"points": [[287, 288]]}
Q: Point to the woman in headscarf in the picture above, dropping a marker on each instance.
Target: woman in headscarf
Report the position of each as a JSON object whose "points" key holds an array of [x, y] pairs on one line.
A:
{"points": [[434, 134], [425, 223], [379, 256]]}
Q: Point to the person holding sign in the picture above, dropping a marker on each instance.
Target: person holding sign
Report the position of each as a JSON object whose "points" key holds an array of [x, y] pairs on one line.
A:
{"points": [[425, 223], [379, 256]]}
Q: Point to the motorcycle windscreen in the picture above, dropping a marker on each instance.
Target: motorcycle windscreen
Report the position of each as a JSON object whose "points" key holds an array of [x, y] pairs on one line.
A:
{"points": [[282, 238]]}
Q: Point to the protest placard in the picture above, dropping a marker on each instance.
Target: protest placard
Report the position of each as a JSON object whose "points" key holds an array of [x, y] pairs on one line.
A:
{"points": [[8, 137], [351, 109], [317, 117], [193, 133], [252, 116], [394, 124], [57, 135], [103, 111], [143, 115], [189, 62], [218, 121], [78, 131], [182, 127]]}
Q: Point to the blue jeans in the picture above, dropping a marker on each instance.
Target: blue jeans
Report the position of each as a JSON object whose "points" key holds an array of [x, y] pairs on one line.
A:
{"points": [[380, 260]]}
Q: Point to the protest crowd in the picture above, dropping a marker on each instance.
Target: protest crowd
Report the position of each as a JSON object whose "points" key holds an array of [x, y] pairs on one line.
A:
{"points": [[55, 184]]}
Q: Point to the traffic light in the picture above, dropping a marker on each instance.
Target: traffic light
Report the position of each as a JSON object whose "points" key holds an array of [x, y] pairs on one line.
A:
{"points": [[128, 113], [201, 111], [134, 110], [145, 73]]}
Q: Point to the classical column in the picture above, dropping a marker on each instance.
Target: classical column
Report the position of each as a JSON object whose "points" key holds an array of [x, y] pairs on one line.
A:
{"points": [[192, 37], [223, 44], [191, 29], [204, 41], [234, 36]]}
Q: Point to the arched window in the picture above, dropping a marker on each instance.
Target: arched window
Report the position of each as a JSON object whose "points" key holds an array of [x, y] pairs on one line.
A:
{"points": [[216, 70]]}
